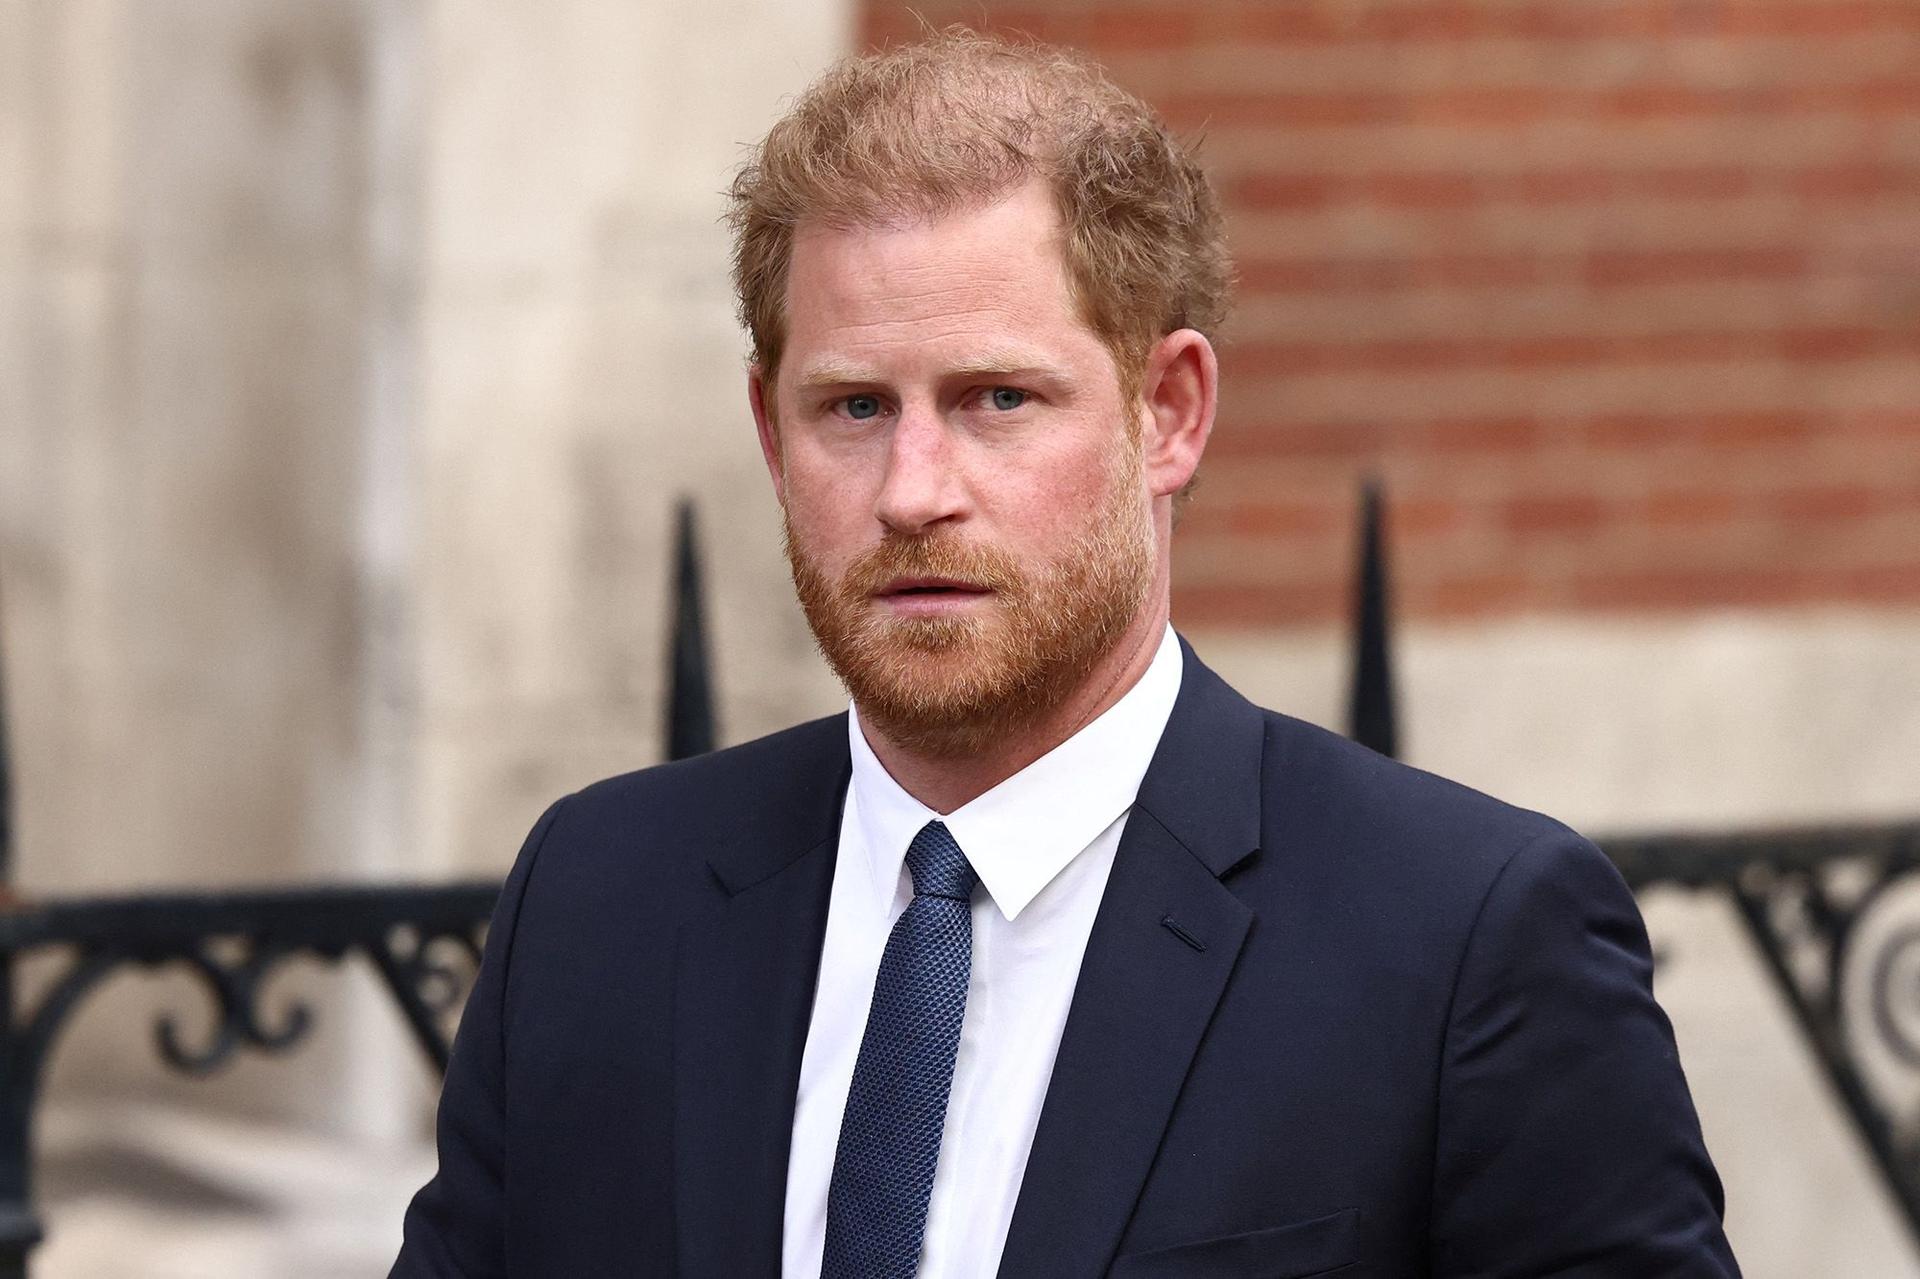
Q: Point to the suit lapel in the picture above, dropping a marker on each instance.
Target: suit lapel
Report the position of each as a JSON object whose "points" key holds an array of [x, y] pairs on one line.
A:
{"points": [[1146, 993], [743, 1000]]}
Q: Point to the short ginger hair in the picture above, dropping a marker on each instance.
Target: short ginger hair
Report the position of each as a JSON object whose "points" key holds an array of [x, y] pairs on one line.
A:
{"points": [[959, 120]]}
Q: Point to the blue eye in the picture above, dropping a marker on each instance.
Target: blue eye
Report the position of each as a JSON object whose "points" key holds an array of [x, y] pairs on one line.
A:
{"points": [[862, 407], [1006, 399]]}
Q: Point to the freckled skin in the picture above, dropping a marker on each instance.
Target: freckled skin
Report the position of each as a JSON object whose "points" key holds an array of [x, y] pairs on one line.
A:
{"points": [[882, 417]]}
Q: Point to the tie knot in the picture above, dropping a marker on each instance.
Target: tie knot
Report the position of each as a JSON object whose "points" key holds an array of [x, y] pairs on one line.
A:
{"points": [[938, 867]]}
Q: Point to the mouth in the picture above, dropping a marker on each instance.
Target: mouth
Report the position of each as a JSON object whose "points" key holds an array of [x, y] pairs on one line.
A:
{"points": [[930, 596], [922, 587]]}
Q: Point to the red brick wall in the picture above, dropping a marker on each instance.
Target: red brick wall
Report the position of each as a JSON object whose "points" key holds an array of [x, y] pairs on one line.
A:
{"points": [[1620, 297]]}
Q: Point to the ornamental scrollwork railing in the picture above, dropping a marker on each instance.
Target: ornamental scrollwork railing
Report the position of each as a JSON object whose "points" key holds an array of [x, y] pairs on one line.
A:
{"points": [[423, 942], [1833, 915], [1807, 901]]}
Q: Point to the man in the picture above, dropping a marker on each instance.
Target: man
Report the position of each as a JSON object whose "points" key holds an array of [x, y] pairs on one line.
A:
{"points": [[1053, 956]]}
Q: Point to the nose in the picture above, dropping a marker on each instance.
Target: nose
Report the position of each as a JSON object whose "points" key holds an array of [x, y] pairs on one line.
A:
{"points": [[922, 487]]}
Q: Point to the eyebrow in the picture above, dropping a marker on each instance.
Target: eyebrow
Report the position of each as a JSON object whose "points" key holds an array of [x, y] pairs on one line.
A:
{"points": [[1005, 363], [831, 373], [1012, 364]]}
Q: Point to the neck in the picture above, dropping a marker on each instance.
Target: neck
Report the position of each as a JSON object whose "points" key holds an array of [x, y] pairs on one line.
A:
{"points": [[945, 782]]}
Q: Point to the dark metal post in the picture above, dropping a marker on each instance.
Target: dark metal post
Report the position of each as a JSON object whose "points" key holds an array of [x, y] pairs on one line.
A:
{"points": [[19, 1228], [690, 726], [1371, 719]]}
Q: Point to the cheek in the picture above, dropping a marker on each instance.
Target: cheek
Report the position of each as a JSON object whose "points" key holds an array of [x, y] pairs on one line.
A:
{"points": [[1050, 506], [830, 470], [816, 478], [829, 520]]}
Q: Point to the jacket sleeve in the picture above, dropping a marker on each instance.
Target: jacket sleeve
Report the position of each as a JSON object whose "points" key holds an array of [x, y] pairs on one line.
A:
{"points": [[455, 1226], [1567, 1143]]}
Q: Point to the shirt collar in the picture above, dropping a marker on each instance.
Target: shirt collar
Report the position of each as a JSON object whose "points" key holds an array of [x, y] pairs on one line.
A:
{"points": [[1023, 832]]}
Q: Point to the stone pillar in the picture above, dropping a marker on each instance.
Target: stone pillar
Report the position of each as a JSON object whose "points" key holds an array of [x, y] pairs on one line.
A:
{"points": [[580, 366], [351, 358], [184, 269]]}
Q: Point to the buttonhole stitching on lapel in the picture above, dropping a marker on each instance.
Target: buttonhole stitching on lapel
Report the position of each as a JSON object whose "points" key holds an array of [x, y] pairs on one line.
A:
{"points": [[1182, 933]]}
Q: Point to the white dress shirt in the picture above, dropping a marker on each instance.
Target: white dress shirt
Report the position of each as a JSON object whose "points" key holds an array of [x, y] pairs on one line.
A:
{"points": [[1043, 843]]}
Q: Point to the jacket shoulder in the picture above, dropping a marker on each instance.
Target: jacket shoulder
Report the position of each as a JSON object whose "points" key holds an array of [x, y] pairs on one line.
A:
{"points": [[1306, 752], [779, 793], [766, 772], [1373, 819]]}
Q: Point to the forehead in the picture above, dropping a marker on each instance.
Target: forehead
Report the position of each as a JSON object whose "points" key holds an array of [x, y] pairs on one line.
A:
{"points": [[934, 282], [1022, 224]]}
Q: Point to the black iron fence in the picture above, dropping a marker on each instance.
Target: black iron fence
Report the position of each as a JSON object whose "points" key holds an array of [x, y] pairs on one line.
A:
{"points": [[1801, 894], [423, 941], [1803, 897]]}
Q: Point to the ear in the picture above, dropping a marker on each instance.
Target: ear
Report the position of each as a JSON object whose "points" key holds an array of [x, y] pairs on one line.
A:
{"points": [[761, 396], [1179, 391]]}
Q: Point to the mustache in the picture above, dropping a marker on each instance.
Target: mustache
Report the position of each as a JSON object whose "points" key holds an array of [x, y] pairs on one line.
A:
{"points": [[943, 556]]}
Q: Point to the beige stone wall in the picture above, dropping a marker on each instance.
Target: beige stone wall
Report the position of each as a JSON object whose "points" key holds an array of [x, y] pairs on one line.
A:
{"points": [[182, 365], [183, 370], [351, 357], [579, 368]]}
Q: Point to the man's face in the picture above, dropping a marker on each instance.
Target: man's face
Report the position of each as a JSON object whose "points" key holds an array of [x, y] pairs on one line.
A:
{"points": [[967, 521]]}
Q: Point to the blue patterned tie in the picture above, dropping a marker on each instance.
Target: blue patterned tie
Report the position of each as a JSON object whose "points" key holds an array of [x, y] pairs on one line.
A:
{"points": [[890, 1134]]}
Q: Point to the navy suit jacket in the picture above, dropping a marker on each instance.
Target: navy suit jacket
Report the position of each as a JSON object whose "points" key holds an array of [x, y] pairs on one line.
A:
{"points": [[1336, 1016]]}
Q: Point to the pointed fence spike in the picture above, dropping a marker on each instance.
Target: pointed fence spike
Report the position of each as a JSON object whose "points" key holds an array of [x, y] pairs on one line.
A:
{"points": [[690, 722], [1371, 719]]}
